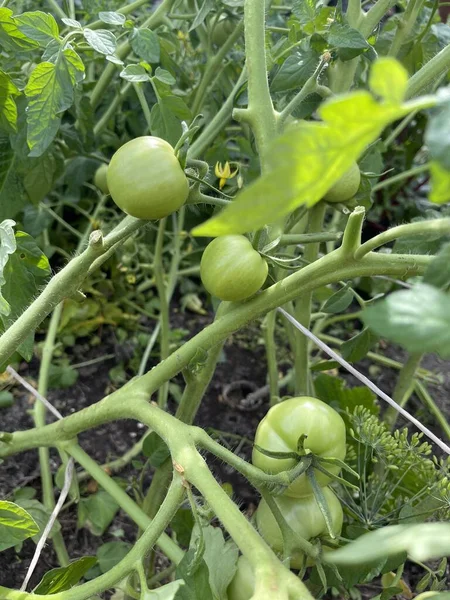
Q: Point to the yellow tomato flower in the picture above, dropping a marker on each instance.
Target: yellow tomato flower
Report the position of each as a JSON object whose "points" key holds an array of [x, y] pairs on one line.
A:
{"points": [[223, 173]]}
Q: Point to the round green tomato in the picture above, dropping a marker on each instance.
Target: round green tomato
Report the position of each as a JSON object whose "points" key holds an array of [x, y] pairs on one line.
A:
{"points": [[346, 187], [222, 30], [242, 586], [100, 179], [146, 180], [281, 429], [231, 269], [428, 595], [303, 516]]}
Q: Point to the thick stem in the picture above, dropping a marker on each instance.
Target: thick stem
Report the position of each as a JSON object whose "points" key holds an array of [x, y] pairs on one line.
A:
{"points": [[428, 74], [405, 25], [303, 306]]}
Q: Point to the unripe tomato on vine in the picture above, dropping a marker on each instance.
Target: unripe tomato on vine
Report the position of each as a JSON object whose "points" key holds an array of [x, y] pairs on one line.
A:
{"points": [[146, 180], [281, 429], [231, 269], [222, 30], [346, 187], [100, 179], [242, 586], [304, 517]]}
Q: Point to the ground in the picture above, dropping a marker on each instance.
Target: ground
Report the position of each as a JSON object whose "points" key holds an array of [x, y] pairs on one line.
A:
{"points": [[243, 361]]}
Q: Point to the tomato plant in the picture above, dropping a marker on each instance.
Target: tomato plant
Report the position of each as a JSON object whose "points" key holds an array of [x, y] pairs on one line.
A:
{"points": [[281, 429], [231, 269], [146, 180], [303, 516], [222, 30], [242, 585]]}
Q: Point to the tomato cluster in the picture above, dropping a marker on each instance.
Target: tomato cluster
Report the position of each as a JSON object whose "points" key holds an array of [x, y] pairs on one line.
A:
{"points": [[280, 431]]}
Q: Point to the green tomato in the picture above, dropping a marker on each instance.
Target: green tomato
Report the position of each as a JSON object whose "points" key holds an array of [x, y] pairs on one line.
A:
{"points": [[100, 179], [222, 30], [242, 586], [346, 187], [281, 429], [430, 595], [303, 516], [231, 269], [146, 180]]}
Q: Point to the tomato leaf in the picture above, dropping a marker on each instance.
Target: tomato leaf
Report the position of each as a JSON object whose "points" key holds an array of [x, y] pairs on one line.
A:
{"points": [[38, 26], [145, 44], [16, 525], [64, 578], [438, 271]]}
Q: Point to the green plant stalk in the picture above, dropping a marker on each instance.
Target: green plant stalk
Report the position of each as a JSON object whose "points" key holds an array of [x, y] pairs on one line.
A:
{"points": [[405, 25], [303, 308], [55, 6], [289, 239], [124, 10], [403, 388], [39, 414], [124, 49], [427, 74], [354, 13], [166, 543], [401, 176], [213, 66], [428, 401], [112, 108], [260, 114], [158, 269], [400, 127], [125, 566], [215, 126], [144, 104], [271, 355], [60, 220], [437, 226], [114, 466], [308, 88]]}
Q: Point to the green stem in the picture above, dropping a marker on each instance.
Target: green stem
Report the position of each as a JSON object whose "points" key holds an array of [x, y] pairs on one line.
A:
{"points": [[114, 466], [213, 66], [166, 544], [271, 356], [354, 13], [144, 104], [215, 126], [434, 409], [428, 74], [371, 19], [309, 238], [397, 130], [112, 109], [60, 220], [124, 49], [158, 269], [260, 113], [308, 88], [303, 306], [403, 388], [124, 10], [55, 7], [436, 226], [406, 23]]}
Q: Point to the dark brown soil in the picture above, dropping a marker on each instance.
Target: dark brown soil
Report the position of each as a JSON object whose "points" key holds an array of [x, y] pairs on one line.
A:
{"points": [[243, 362]]}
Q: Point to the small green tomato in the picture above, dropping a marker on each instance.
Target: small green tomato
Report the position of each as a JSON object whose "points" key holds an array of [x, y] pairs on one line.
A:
{"points": [[346, 187]]}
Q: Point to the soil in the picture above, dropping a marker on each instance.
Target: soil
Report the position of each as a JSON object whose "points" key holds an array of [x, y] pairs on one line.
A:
{"points": [[242, 365]]}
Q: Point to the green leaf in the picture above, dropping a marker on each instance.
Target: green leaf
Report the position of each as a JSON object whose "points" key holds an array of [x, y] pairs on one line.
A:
{"points": [[204, 11], [155, 449], [16, 525], [8, 246], [163, 123], [418, 319], [296, 69], [165, 77], [40, 514], [389, 80], [438, 271], [62, 376], [6, 399], [64, 578], [437, 136], [111, 553], [344, 36], [12, 193], [101, 40], [305, 10], [97, 512], [334, 392], [135, 74], [304, 162], [72, 23], [11, 38], [145, 44], [424, 541], [112, 18], [339, 301], [196, 583], [440, 183], [220, 557], [357, 347], [182, 524], [50, 91], [38, 26], [166, 592], [40, 175], [8, 108]]}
